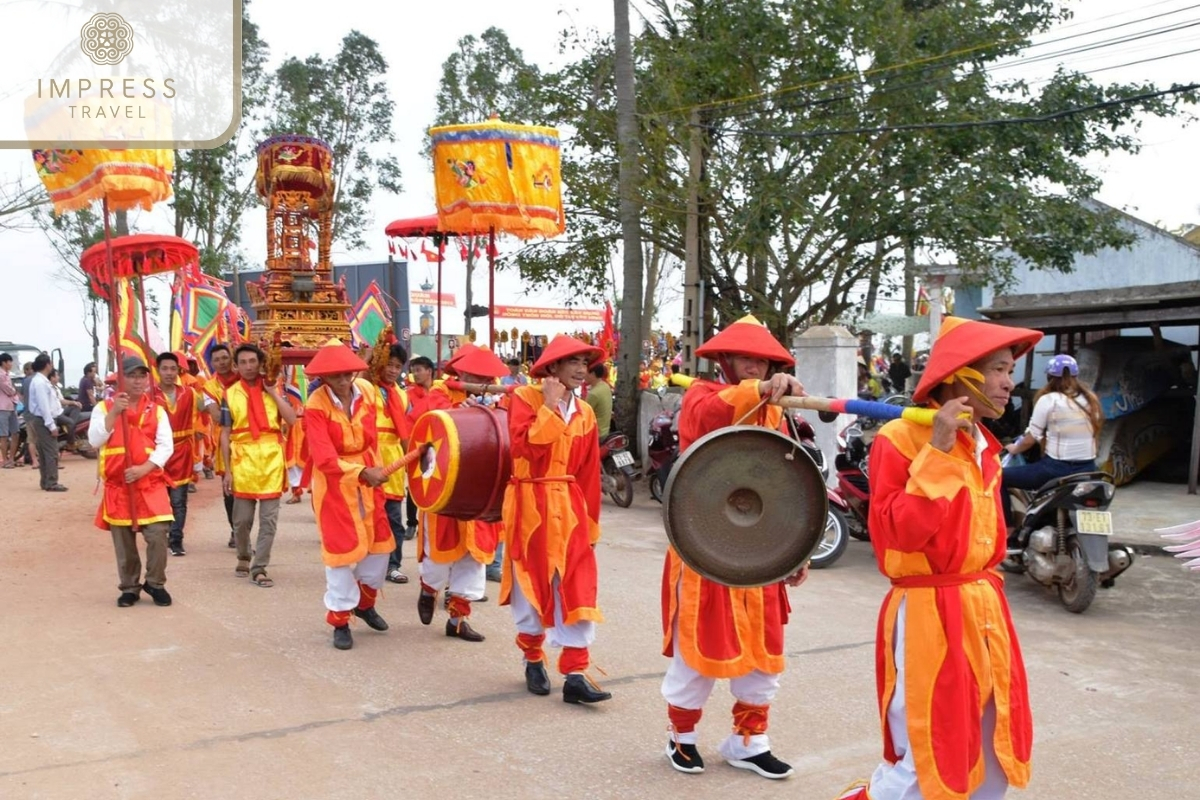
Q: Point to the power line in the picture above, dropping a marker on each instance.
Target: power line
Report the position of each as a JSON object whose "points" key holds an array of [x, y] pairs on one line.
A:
{"points": [[990, 123]]}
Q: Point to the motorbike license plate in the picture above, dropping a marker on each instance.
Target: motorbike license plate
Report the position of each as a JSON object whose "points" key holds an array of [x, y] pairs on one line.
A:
{"points": [[622, 459], [1094, 522]]}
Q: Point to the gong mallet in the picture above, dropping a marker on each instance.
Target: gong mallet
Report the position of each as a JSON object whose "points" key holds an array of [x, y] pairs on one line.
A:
{"points": [[860, 408], [404, 460]]}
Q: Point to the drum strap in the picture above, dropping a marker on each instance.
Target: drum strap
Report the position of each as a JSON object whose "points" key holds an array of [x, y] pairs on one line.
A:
{"points": [[947, 579]]}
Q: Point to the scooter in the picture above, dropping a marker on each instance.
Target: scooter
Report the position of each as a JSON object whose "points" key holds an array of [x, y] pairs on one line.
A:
{"points": [[854, 452], [837, 527], [617, 474], [1063, 539], [81, 440], [662, 449]]}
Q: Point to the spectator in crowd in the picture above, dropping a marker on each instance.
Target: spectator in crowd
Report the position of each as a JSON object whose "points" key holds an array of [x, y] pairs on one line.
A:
{"points": [[44, 409], [599, 397], [869, 387], [71, 414], [9, 429], [30, 434], [87, 388], [898, 373], [514, 377]]}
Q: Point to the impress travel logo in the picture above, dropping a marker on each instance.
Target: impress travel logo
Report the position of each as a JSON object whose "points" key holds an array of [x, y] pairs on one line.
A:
{"points": [[106, 39], [155, 75]]}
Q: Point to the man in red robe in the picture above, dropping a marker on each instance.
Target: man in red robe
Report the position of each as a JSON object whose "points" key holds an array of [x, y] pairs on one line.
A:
{"points": [[951, 683], [712, 631], [552, 521], [454, 553], [179, 401], [417, 387], [133, 439], [347, 488]]}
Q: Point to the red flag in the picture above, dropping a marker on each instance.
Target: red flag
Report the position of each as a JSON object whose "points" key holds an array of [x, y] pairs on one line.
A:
{"points": [[429, 254], [492, 251], [462, 250], [391, 247]]}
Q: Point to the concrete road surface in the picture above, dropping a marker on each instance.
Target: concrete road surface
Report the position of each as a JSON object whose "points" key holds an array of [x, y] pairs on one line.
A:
{"points": [[236, 692]]}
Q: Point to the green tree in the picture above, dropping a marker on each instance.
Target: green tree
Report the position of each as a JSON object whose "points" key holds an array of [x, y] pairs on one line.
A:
{"points": [[820, 163], [69, 235], [343, 100]]}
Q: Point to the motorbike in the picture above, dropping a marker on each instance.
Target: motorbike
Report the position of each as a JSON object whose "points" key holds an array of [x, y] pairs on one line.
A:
{"points": [[617, 474], [81, 439], [662, 449], [1063, 539], [837, 527], [854, 448]]}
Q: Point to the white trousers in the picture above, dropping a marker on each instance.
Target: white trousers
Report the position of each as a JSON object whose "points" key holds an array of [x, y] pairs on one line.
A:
{"points": [[578, 634], [684, 687], [341, 583], [294, 474], [465, 577], [899, 781]]}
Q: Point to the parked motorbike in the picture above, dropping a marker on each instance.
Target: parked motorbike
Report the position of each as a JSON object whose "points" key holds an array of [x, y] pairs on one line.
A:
{"points": [[81, 440], [837, 527], [1063, 539], [854, 450], [617, 474], [662, 449]]}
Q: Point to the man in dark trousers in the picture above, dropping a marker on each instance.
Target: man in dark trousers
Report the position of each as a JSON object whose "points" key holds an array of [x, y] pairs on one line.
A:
{"points": [[898, 373]]}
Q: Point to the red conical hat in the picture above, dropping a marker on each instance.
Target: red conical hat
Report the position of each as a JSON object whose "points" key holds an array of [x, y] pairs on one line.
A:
{"points": [[472, 359], [962, 342], [747, 337], [563, 346], [334, 358]]}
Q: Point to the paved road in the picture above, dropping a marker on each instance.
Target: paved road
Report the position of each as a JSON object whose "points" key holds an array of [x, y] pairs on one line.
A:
{"points": [[236, 692]]}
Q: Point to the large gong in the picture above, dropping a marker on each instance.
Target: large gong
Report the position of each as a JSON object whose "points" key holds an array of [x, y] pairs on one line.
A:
{"points": [[745, 506]]}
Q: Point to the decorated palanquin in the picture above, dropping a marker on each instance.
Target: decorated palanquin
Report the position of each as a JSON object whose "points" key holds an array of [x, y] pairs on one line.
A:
{"points": [[297, 305], [497, 175]]}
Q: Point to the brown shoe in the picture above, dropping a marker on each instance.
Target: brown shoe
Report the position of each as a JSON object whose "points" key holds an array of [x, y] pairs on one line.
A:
{"points": [[425, 604], [463, 630]]}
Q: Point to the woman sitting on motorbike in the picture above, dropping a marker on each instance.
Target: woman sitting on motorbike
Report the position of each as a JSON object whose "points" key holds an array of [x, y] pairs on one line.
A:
{"points": [[1066, 421]]}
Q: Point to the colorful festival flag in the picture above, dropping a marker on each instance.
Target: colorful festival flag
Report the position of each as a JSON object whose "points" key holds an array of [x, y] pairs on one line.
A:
{"points": [[369, 316]]}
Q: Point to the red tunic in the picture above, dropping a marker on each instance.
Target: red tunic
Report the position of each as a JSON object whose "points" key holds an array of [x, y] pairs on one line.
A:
{"points": [[181, 414], [150, 500], [723, 632], [552, 507], [938, 533], [351, 516]]}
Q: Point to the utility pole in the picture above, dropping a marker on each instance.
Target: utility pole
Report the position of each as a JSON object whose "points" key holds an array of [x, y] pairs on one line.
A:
{"points": [[691, 243], [631, 237]]}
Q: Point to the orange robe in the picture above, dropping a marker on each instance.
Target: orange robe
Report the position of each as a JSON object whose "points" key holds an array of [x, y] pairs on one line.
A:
{"points": [[180, 469], [149, 494], [450, 539], [214, 389], [938, 534], [350, 515], [723, 632], [552, 507], [294, 451]]}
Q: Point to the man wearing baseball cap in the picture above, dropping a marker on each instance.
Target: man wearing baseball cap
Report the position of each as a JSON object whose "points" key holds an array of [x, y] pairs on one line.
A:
{"points": [[133, 437]]}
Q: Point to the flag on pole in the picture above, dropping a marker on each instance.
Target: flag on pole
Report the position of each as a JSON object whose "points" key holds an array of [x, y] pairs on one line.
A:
{"points": [[131, 341], [369, 316], [922, 303]]}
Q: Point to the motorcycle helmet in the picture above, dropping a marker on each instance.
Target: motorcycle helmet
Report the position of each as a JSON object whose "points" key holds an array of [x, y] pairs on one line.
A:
{"points": [[1062, 364]]}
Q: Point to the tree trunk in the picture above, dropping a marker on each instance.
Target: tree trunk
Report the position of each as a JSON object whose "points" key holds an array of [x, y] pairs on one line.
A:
{"points": [[867, 343], [910, 296], [627, 183], [653, 263]]}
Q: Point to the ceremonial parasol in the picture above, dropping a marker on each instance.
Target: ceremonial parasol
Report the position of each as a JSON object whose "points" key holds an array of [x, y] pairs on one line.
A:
{"points": [[496, 176]]}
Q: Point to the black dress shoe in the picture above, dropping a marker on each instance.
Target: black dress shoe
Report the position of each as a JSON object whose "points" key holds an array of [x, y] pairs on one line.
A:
{"points": [[342, 639], [463, 630], [536, 679], [425, 603], [372, 618], [160, 595], [127, 599], [580, 689]]}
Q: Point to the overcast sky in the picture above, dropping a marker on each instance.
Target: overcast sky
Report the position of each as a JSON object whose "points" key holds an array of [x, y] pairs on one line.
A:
{"points": [[1158, 185]]}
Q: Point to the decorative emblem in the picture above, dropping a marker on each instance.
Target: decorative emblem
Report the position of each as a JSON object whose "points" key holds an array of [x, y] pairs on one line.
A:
{"points": [[106, 39]]}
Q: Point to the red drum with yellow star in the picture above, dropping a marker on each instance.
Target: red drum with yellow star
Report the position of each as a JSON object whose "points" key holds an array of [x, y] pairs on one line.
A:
{"points": [[466, 464]]}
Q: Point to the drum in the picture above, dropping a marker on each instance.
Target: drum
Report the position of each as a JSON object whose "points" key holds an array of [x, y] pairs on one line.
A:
{"points": [[466, 466], [745, 506]]}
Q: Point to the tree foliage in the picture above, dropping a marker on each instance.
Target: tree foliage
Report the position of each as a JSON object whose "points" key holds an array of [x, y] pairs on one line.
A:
{"points": [[811, 179], [345, 101]]}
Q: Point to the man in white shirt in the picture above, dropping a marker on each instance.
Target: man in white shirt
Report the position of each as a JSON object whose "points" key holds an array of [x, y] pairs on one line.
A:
{"points": [[43, 409]]}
